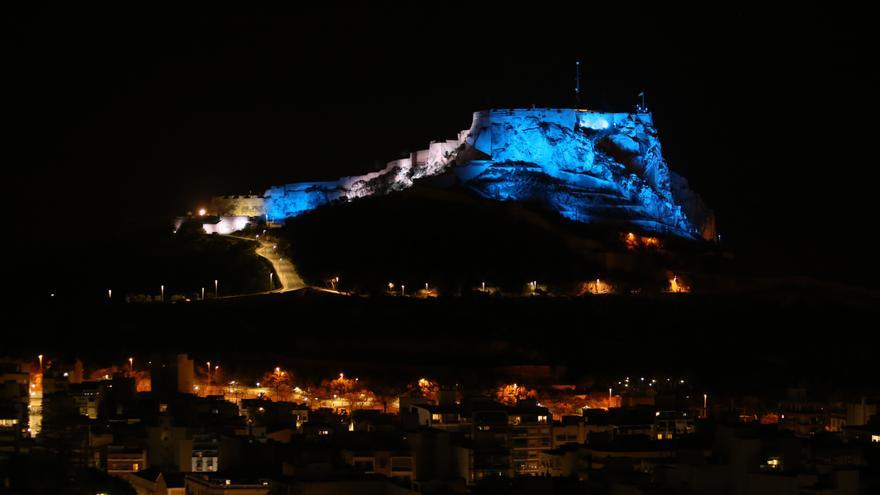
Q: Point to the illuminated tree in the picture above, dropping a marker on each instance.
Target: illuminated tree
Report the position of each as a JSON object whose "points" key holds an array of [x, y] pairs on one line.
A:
{"points": [[280, 382], [510, 393], [349, 393], [429, 390]]}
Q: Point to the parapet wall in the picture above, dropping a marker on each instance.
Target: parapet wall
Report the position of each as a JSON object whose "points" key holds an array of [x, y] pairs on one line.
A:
{"points": [[244, 205], [291, 200]]}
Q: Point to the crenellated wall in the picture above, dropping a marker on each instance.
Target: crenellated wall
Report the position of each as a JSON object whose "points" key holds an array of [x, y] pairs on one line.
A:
{"points": [[291, 200]]}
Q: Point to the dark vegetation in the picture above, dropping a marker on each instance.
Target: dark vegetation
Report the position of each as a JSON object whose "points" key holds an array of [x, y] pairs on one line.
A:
{"points": [[730, 341], [138, 256], [455, 242], [46, 472]]}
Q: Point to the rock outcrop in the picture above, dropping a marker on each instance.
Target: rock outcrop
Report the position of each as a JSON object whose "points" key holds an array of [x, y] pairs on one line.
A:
{"points": [[590, 167]]}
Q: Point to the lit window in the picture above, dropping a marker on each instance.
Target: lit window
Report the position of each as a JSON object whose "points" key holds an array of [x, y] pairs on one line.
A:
{"points": [[875, 438], [773, 462]]}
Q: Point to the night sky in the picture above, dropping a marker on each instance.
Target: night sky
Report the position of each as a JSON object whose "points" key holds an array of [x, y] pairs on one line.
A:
{"points": [[114, 115]]}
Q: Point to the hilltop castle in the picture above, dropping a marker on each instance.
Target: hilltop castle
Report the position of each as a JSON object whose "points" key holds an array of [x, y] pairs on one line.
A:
{"points": [[590, 167]]}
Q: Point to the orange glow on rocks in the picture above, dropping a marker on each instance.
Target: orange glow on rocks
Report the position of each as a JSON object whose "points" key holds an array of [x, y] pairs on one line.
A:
{"points": [[677, 286], [633, 242], [596, 286]]}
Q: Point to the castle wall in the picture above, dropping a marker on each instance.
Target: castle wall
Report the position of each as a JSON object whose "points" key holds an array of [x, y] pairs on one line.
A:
{"points": [[223, 226], [244, 205], [294, 199], [226, 225], [586, 165]]}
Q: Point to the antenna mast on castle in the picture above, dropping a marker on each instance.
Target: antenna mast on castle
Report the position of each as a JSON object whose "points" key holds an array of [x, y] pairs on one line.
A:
{"points": [[642, 106], [577, 82]]}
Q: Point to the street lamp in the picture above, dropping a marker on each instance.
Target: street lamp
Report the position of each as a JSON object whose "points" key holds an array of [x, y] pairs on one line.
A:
{"points": [[271, 281], [109, 293], [131, 363], [40, 357], [215, 288], [162, 292], [203, 293]]}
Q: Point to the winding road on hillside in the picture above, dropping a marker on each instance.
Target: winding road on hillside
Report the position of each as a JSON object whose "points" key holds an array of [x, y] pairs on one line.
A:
{"points": [[284, 269]]}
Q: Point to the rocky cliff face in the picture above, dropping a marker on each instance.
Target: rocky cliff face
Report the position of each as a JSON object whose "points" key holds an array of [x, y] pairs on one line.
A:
{"points": [[590, 167]]}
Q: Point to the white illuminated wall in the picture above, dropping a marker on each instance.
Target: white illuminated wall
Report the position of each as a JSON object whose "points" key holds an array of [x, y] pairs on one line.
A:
{"points": [[226, 225]]}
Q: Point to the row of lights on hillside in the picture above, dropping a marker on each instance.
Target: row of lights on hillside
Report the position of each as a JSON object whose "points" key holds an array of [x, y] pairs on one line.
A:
{"points": [[402, 287], [162, 291], [651, 383], [532, 285], [216, 282]]}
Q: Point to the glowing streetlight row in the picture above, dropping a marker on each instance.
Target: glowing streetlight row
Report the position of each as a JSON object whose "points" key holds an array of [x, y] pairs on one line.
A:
{"points": [[599, 287], [162, 290]]}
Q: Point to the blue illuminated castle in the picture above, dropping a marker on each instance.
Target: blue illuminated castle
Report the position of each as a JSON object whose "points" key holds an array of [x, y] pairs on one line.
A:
{"points": [[590, 167]]}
